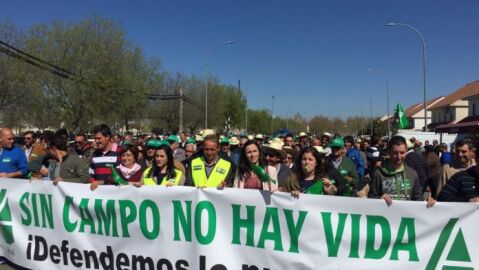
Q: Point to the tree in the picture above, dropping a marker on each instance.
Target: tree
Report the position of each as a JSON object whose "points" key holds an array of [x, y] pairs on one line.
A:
{"points": [[110, 73], [14, 86]]}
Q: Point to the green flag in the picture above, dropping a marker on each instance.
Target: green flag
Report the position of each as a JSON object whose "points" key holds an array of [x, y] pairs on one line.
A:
{"points": [[261, 173], [316, 188], [402, 119], [116, 177]]}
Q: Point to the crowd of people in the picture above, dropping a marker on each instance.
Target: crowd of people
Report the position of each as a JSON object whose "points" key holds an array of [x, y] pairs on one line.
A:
{"points": [[388, 169]]}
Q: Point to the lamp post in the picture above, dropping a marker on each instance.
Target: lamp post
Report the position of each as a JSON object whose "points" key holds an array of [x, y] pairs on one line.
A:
{"points": [[371, 116], [424, 67], [207, 75], [387, 96]]}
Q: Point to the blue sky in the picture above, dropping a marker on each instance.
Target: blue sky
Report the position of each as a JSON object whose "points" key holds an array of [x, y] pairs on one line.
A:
{"points": [[314, 54]]}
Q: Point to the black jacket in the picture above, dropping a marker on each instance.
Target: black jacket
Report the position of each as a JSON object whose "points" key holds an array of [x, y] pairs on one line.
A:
{"points": [[462, 186], [418, 163]]}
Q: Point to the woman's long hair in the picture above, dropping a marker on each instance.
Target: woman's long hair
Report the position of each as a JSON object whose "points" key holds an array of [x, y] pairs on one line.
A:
{"points": [[170, 165], [244, 166], [321, 168]]}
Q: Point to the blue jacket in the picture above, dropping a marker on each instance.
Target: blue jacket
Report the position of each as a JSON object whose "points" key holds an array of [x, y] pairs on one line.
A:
{"points": [[13, 160], [446, 158], [355, 156]]}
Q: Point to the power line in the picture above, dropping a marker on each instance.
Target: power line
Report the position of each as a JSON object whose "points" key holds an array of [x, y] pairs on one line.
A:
{"points": [[56, 70]]}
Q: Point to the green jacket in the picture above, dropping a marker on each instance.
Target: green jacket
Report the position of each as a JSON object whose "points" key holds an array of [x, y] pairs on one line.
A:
{"points": [[73, 169], [347, 169]]}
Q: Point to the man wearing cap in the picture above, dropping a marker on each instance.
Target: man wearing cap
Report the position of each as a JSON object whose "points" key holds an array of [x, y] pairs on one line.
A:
{"points": [[259, 139], [354, 155], [229, 149], [150, 148], [345, 166], [325, 141], [178, 153], [303, 140], [210, 170]]}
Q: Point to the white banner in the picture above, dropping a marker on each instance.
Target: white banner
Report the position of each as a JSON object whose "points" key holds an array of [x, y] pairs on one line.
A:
{"points": [[71, 227]]}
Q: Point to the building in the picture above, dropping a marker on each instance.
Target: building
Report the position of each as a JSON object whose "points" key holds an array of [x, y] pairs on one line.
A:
{"points": [[453, 109], [415, 113]]}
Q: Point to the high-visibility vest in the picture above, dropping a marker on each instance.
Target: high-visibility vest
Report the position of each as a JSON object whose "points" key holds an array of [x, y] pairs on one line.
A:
{"points": [[217, 175], [150, 181]]}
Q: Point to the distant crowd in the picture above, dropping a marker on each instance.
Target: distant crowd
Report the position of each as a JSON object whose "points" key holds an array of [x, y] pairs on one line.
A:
{"points": [[389, 169]]}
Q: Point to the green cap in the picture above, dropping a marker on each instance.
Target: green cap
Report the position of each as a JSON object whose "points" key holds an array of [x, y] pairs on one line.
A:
{"points": [[337, 142], [164, 142], [157, 143], [225, 140], [153, 143], [190, 141], [173, 138]]}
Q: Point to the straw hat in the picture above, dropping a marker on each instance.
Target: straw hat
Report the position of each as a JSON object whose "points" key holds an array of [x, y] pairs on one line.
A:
{"points": [[320, 149], [326, 134], [234, 140], [198, 138], [275, 148], [207, 132]]}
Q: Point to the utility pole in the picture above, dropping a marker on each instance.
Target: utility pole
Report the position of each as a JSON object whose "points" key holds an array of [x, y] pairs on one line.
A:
{"points": [[180, 128], [371, 105], [362, 120], [287, 118], [272, 114]]}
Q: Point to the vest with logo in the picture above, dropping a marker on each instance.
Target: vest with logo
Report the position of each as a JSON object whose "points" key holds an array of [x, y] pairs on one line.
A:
{"points": [[217, 175], [150, 180]]}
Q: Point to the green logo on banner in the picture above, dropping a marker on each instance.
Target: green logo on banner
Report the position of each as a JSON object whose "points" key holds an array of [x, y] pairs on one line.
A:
{"points": [[458, 253], [5, 218]]}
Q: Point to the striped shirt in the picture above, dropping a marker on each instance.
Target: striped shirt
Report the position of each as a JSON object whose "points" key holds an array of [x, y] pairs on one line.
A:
{"points": [[100, 166], [462, 186]]}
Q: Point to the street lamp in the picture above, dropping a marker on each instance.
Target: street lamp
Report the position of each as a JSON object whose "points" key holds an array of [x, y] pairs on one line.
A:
{"points": [[423, 64], [387, 96], [207, 62]]}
